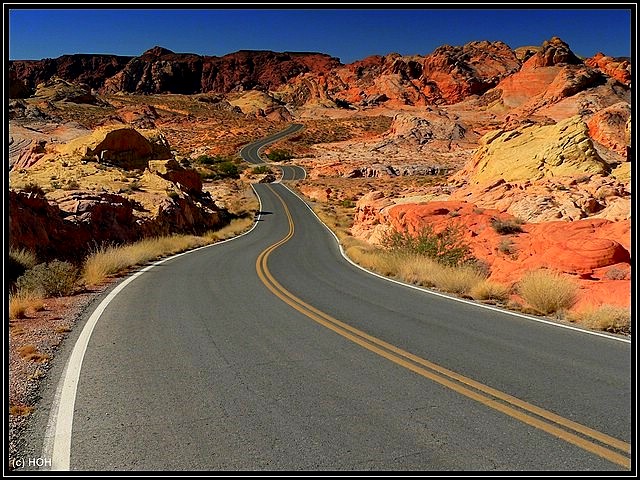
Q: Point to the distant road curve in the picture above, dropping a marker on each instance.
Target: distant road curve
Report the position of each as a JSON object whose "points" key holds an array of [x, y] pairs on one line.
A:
{"points": [[251, 153]]}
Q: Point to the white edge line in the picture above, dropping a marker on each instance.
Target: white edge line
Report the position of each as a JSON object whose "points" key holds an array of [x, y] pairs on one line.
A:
{"points": [[57, 439], [457, 299]]}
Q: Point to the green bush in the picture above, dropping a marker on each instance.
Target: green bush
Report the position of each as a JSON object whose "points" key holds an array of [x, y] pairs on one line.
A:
{"points": [[447, 247], [228, 169], [33, 188], [208, 160], [18, 263], [506, 227], [279, 155], [261, 170], [53, 279]]}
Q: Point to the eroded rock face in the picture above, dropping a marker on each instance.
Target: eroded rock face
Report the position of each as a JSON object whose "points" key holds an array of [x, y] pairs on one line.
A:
{"points": [[82, 68], [31, 155], [589, 251], [553, 52], [533, 152], [553, 199], [469, 70], [80, 220], [123, 147], [187, 179], [56, 89], [620, 69], [611, 127]]}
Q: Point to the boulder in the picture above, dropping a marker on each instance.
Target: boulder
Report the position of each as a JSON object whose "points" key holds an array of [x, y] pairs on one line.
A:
{"points": [[187, 179], [534, 152]]}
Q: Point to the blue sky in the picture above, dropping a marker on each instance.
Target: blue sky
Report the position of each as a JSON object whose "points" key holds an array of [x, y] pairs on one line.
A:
{"points": [[349, 34]]}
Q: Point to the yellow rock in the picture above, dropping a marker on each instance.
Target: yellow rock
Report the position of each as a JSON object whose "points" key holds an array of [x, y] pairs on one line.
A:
{"points": [[622, 172], [534, 152]]}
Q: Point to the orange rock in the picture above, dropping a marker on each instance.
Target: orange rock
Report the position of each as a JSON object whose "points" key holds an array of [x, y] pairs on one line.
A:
{"points": [[609, 127], [592, 251], [618, 69]]}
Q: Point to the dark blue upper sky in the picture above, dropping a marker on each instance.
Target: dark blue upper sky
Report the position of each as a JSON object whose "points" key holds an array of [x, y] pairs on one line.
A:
{"points": [[349, 34]]}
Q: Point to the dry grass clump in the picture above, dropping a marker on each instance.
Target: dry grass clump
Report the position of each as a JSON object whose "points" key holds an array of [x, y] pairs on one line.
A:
{"points": [[488, 290], [548, 292], [506, 227], [22, 301], [608, 318], [415, 269], [459, 280], [20, 410], [371, 258], [233, 229], [111, 260], [31, 354], [23, 257]]}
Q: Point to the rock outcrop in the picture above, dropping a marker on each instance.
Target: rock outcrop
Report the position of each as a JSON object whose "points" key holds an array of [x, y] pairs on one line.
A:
{"points": [[56, 89], [592, 251], [620, 69], [532, 152], [448, 75], [611, 127], [78, 221], [89, 69]]}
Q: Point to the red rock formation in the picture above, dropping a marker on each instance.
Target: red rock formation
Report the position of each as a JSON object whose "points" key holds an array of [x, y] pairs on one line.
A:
{"points": [[188, 180], [82, 68], [448, 75], [458, 72], [620, 69], [553, 52], [17, 86], [31, 155], [611, 127], [592, 250], [81, 220]]}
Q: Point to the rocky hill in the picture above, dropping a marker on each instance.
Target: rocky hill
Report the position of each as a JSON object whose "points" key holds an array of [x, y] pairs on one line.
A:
{"points": [[534, 134], [447, 75]]}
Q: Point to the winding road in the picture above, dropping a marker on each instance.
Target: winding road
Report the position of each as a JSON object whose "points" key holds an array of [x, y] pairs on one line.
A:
{"points": [[273, 352]]}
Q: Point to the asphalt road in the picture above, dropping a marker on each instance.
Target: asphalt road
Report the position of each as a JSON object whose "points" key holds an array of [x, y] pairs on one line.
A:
{"points": [[272, 352]]}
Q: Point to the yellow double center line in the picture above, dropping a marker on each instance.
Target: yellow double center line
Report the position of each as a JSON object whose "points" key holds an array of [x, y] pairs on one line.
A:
{"points": [[584, 437]]}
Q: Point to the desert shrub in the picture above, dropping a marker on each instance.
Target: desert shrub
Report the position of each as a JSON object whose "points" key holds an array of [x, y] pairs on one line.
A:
{"points": [[72, 185], [279, 155], [548, 292], [507, 247], [447, 246], [347, 203], [218, 171], [228, 169], [506, 227], [34, 189], [456, 279], [608, 318], [616, 274], [261, 170], [19, 261], [53, 279], [488, 290], [21, 301], [208, 160]]}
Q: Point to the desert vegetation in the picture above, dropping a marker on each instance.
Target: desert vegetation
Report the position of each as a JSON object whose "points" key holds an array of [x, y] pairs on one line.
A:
{"points": [[548, 292], [34, 282], [443, 262]]}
